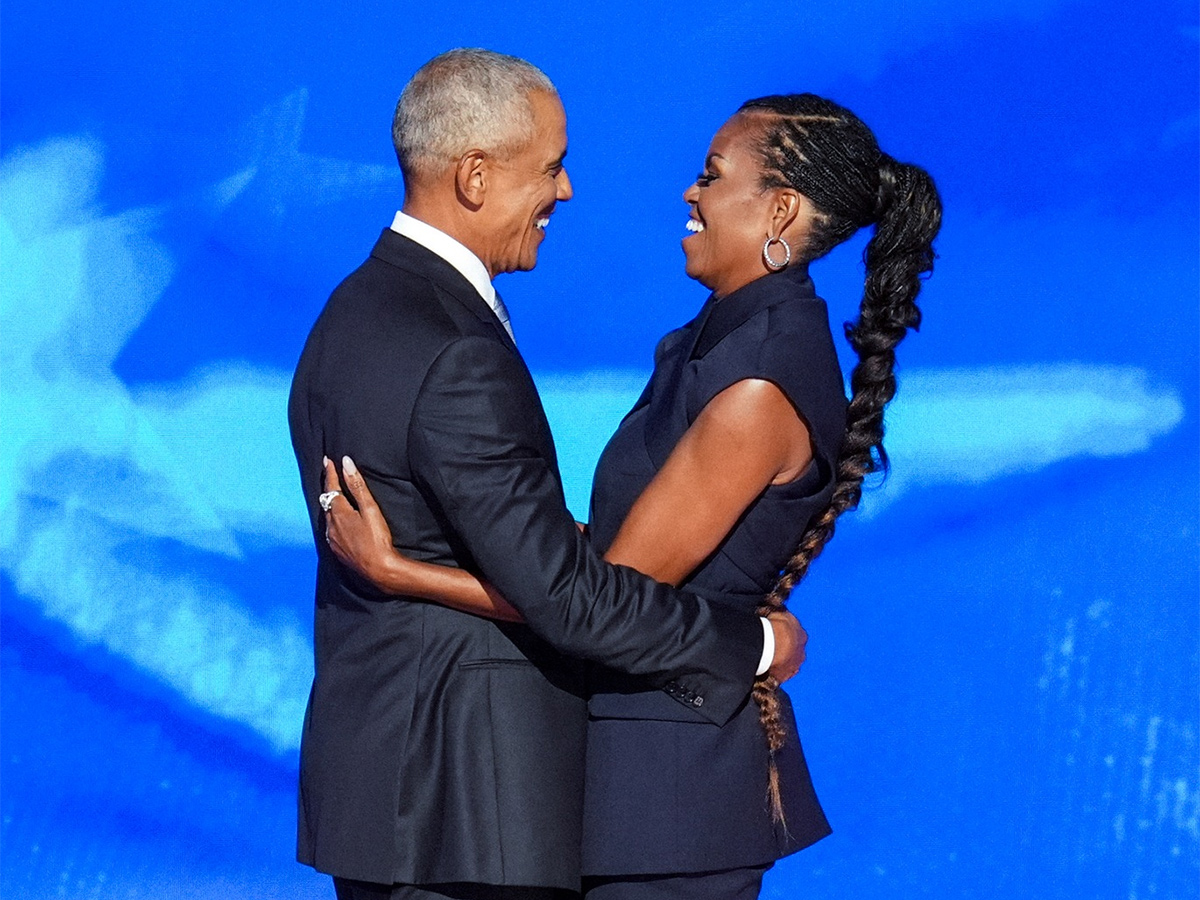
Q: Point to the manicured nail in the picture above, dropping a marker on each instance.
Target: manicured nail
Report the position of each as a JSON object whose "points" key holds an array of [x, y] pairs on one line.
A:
{"points": [[324, 460], [348, 466]]}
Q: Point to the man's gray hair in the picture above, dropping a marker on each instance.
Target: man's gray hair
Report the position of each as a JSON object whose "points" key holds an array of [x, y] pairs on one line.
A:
{"points": [[462, 100]]}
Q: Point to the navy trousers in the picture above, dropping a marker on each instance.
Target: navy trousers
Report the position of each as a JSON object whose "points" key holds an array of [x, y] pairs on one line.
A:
{"points": [[368, 890], [731, 884]]}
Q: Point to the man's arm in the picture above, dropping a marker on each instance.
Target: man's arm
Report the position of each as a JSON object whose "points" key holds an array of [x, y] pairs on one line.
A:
{"points": [[475, 445]]}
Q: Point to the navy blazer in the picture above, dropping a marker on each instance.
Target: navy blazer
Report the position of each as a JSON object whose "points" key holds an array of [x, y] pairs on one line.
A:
{"points": [[439, 746], [667, 791]]}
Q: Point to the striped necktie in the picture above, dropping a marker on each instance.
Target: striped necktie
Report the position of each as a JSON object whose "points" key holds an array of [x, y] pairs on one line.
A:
{"points": [[502, 315]]}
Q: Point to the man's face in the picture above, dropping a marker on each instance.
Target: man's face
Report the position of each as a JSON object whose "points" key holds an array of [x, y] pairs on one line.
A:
{"points": [[524, 189]]}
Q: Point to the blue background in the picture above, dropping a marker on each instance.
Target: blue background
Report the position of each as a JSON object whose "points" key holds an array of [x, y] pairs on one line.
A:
{"points": [[1001, 697]]}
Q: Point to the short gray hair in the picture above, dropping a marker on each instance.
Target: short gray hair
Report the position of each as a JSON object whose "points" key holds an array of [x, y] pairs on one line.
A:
{"points": [[462, 100]]}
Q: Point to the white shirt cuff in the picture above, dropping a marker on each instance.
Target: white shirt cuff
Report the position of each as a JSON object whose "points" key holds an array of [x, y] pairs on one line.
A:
{"points": [[768, 654]]}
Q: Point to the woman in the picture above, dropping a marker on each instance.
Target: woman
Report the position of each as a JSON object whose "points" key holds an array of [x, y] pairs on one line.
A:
{"points": [[733, 465]]}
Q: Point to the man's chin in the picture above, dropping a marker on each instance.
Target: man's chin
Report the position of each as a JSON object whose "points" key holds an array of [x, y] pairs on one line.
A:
{"points": [[524, 263], [528, 260]]}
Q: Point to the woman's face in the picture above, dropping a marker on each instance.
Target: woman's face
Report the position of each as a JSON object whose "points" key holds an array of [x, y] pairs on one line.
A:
{"points": [[731, 215]]}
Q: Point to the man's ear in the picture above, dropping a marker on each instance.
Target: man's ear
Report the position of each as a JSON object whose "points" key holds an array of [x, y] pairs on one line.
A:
{"points": [[471, 178]]}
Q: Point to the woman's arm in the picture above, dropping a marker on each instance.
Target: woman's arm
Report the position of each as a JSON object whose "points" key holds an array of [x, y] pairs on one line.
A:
{"points": [[363, 541], [748, 437]]}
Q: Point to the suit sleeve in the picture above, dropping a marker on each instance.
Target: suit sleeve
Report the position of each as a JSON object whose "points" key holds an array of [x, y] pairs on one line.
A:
{"points": [[475, 445]]}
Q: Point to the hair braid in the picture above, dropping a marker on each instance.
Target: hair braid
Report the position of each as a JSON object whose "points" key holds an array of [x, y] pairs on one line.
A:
{"points": [[826, 153]]}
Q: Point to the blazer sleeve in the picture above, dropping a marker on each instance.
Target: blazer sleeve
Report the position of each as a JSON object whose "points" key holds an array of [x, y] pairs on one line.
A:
{"points": [[475, 447]]}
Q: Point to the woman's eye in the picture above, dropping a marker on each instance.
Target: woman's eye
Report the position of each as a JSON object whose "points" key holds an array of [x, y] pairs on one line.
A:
{"points": [[704, 179]]}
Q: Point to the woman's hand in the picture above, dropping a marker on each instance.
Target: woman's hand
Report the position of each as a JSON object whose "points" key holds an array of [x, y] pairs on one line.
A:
{"points": [[362, 540], [359, 538]]}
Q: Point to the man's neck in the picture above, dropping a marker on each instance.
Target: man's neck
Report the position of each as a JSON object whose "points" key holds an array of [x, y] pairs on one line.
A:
{"points": [[449, 221]]}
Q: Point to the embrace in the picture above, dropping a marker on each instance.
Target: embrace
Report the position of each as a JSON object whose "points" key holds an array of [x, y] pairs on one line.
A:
{"points": [[508, 704]]}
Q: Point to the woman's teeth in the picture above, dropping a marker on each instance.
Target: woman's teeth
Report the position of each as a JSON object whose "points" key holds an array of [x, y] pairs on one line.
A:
{"points": [[695, 225], [542, 222]]}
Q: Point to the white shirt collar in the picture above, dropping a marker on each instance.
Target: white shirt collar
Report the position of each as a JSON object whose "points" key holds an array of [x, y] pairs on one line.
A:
{"points": [[435, 241]]}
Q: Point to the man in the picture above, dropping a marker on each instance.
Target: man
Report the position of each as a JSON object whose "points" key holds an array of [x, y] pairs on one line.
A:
{"points": [[442, 753]]}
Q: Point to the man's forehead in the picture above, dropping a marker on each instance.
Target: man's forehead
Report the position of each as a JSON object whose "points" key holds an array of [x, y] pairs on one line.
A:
{"points": [[546, 103], [550, 122]]}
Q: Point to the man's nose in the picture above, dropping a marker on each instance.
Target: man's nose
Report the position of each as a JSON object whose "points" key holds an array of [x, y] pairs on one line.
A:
{"points": [[563, 181]]}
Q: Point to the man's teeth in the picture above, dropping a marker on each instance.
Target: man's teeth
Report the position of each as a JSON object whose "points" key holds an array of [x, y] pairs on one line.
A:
{"points": [[542, 222], [694, 225]]}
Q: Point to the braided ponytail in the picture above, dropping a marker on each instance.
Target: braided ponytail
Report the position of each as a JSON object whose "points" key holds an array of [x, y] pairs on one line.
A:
{"points": [[826, 153]]}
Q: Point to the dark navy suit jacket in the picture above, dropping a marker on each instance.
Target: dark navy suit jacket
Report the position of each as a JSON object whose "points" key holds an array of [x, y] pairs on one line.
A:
{"points": [[439, 746], [668, 791]]}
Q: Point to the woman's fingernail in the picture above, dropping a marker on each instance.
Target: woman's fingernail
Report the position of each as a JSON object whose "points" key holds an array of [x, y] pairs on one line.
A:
{"points": [[348, 466], [324, 460]]}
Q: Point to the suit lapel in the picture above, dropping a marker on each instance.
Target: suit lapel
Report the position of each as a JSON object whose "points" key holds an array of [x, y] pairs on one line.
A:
{"points": [[404, 253]]}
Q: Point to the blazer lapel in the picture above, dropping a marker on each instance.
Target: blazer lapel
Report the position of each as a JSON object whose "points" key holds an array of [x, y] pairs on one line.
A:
{"points": [[664, 377], [730, 312], [662, 392], [719, 318]]}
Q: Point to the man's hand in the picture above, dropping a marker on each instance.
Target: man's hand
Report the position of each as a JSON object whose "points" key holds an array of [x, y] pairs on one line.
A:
{"points": [[790, 640]]}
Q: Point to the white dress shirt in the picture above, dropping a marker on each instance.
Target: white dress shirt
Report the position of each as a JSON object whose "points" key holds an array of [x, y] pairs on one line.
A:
{"points": [[472, 269], [466, 262]]}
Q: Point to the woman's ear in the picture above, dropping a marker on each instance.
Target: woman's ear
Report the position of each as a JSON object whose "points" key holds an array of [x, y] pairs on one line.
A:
{"points": [[793, 215], [785, 210], [471, 178]]}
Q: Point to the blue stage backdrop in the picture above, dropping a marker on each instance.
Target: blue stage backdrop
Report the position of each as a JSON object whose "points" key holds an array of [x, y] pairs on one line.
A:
{"points": [[1001, 695]]}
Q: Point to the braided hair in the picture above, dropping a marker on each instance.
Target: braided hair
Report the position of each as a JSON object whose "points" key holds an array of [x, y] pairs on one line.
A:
{"points": [[826, 153]]}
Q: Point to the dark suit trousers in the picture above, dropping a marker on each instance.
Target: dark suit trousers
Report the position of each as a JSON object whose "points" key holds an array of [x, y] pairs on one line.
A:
{"points": [[731, 884], [369, 890]]}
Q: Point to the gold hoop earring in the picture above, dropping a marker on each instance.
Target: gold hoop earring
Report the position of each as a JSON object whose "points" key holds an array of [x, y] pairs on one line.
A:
{"points": [[766, 254]]}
